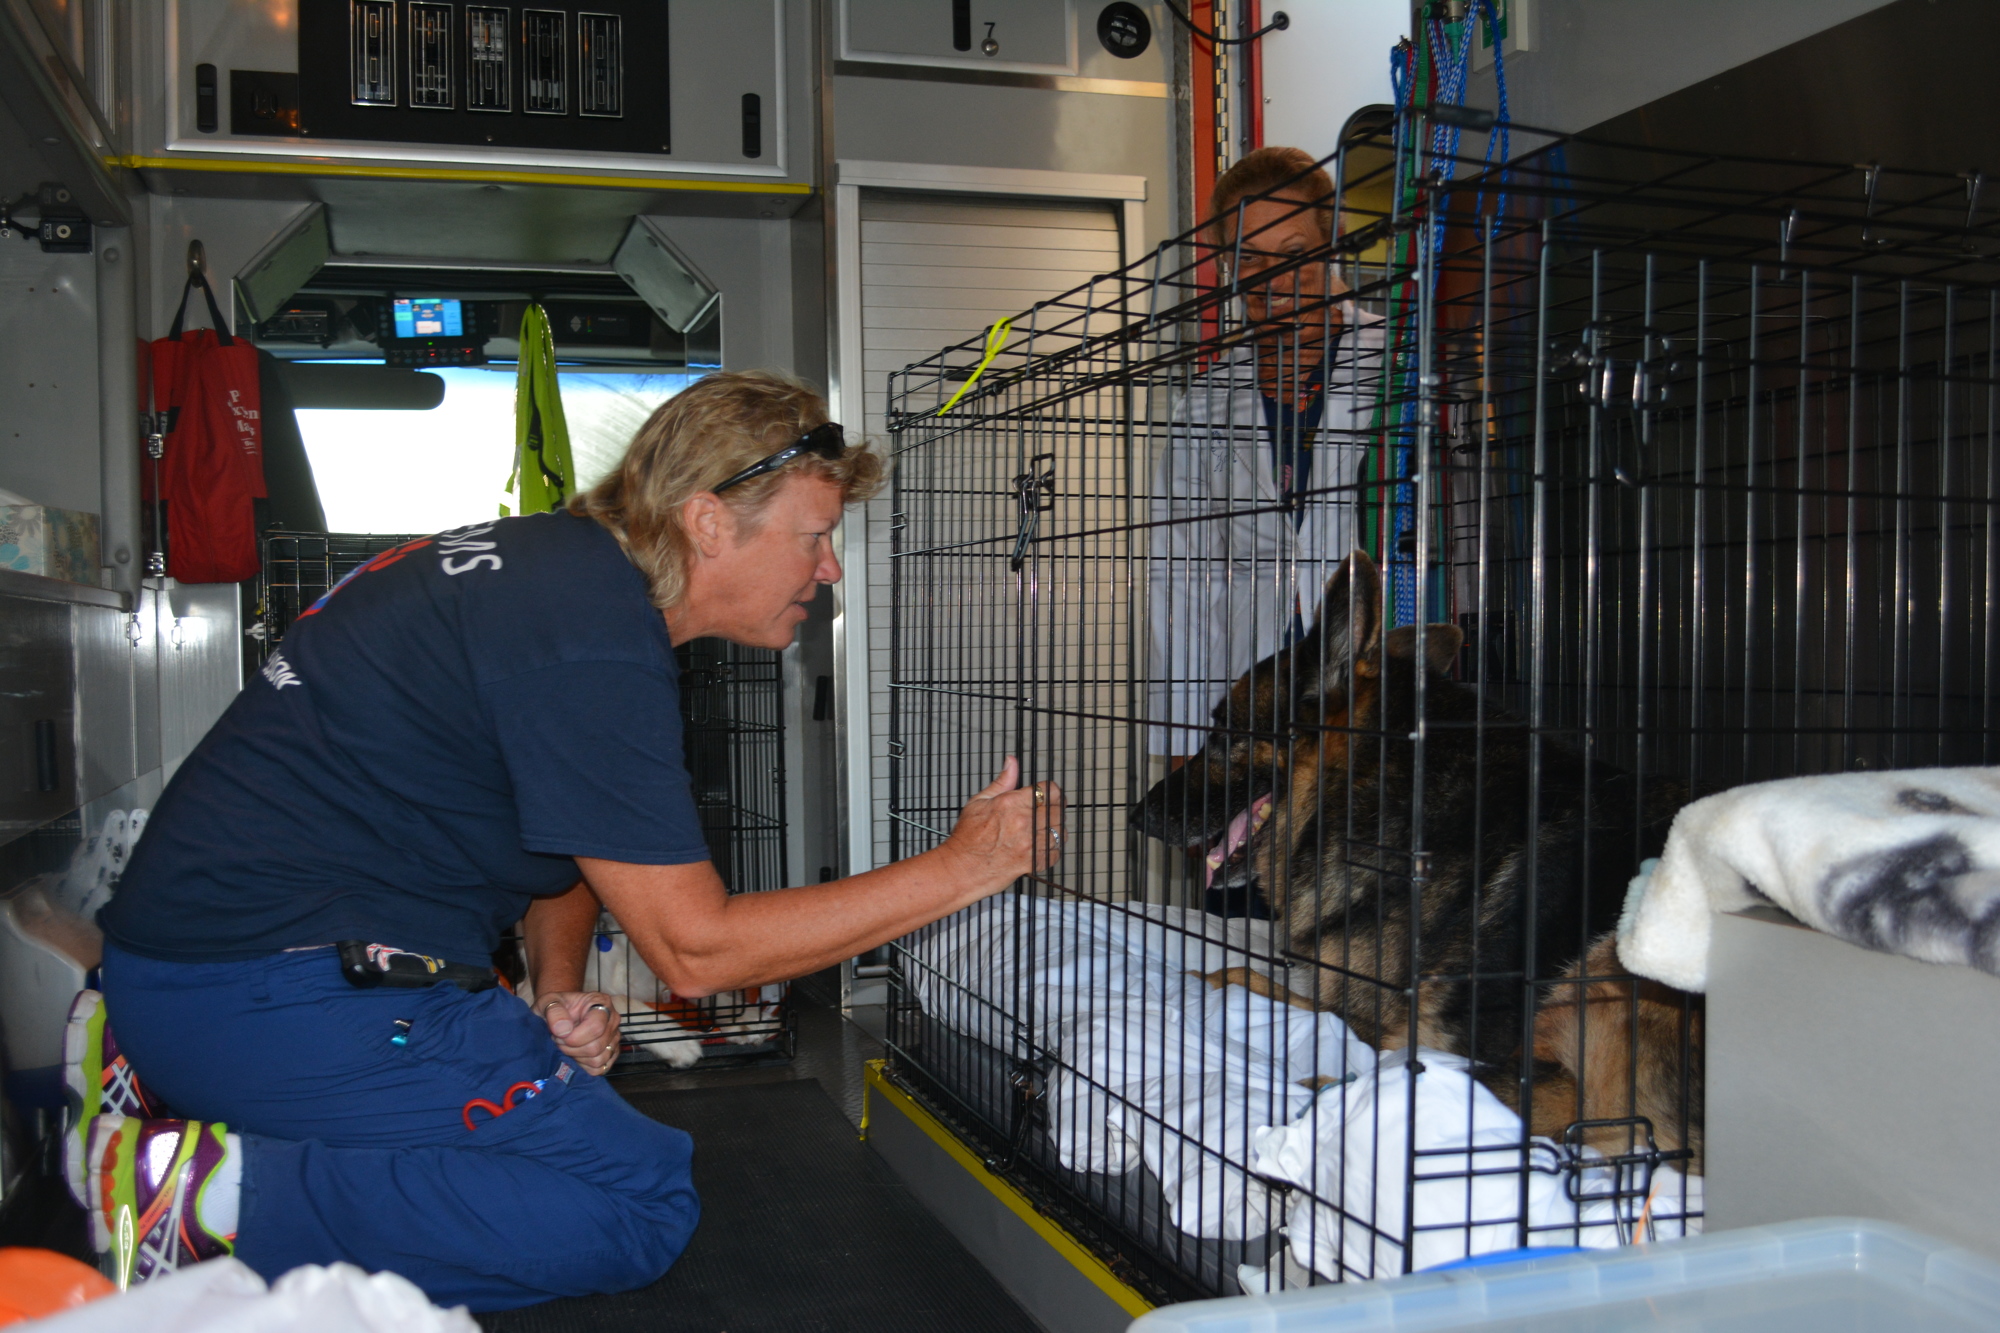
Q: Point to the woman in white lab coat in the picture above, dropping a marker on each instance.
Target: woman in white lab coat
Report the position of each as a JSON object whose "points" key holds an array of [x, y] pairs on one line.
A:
{"points": [[1255, 493]]}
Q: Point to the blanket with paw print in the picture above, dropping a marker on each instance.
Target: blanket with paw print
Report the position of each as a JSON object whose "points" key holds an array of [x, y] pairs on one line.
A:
{"points": [[1906, 861]]}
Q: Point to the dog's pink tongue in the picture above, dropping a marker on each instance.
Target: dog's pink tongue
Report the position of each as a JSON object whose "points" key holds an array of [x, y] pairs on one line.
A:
{"points": [[1241, 829]]}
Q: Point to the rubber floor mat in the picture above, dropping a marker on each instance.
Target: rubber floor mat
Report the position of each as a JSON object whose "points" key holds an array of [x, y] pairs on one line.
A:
{"points": [[803, 1230]]}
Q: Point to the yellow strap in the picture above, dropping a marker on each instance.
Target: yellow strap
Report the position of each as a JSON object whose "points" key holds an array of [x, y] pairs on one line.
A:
{"points": [[996, 337], [362, 171], [874, 1077]]}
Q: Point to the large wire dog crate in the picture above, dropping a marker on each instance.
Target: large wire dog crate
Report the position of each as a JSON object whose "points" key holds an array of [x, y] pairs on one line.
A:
{"points": [[733, 734], [1670, 471]]}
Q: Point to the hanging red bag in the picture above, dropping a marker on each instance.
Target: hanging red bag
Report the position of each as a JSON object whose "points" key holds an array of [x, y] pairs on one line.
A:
{"points": [[204, 385]]}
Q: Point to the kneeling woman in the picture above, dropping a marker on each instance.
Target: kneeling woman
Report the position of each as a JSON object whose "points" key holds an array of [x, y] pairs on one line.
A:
{"points": [[472, 729]]}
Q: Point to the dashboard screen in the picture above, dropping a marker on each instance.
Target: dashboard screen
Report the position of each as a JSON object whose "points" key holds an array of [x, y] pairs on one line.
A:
{"points": [[429, 317]]}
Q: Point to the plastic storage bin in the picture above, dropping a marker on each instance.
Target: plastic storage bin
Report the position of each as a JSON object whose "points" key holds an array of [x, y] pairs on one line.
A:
{"points": [[1845, 1273]]}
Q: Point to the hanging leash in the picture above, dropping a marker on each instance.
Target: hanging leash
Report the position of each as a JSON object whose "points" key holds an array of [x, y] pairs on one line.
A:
{"points": [[996, 337]]}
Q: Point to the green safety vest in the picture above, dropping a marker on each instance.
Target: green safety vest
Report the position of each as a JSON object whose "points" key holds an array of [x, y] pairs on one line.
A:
{"points": [[542, 467]]}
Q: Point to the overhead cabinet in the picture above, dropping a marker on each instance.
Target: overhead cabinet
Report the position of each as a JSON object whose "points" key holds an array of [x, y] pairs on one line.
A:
{"points": [[628, 85], [583, 79]]}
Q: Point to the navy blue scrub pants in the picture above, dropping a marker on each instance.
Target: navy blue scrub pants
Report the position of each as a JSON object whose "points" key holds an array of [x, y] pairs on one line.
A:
{"points": [[355, 1147]]}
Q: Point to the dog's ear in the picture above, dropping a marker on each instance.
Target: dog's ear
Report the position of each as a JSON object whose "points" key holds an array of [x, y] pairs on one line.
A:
{"points": [[1349, 632], [1440, 645]]}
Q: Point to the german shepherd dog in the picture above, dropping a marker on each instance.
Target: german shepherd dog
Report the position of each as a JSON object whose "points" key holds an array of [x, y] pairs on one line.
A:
{"points": [[1318, 741]]}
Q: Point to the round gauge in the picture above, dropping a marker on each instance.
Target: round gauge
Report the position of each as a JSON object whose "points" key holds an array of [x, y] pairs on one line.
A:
{"points": [[1124, 29]]}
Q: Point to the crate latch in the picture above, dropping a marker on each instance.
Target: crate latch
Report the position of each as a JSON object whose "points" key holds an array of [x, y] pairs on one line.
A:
{"points": [[1035, 490]]}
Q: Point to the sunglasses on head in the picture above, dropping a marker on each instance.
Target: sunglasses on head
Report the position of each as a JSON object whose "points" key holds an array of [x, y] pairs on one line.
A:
{"points": [[828, 441]]}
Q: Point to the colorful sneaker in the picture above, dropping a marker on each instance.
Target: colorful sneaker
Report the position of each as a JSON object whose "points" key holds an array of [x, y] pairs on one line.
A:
{"points": [[147, 1179], [98, 1081]]}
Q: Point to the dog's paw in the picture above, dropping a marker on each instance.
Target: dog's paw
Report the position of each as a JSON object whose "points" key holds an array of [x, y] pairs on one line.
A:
{"points": [[680, 1054], [754, 1028], [1257, 983]]}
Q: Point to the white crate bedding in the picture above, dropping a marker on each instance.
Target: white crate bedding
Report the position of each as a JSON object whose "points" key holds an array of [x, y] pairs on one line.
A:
{"points": [[1252, 1113]]}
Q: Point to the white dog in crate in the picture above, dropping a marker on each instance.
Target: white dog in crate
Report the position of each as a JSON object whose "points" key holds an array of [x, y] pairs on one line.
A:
{"points": [[654, 1020]]}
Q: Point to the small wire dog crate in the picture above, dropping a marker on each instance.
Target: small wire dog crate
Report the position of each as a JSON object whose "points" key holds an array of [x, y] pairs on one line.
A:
{"points": [[299, 568], [1662, 472], [733, 733]]}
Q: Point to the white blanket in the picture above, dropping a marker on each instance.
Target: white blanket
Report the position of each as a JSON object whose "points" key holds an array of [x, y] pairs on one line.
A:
{"points": [[1249, 1112], [224, 1296], [1906, 861], [1155, 1066], [1351, 1152]]}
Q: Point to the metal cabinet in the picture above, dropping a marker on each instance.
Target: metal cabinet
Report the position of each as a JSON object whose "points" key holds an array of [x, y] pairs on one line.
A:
{"points": [[82, 690], [38, 746], [117, 710]]}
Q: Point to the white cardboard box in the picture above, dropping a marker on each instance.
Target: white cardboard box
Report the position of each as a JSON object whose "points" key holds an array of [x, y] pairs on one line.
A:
{"points": [[54, 543]]}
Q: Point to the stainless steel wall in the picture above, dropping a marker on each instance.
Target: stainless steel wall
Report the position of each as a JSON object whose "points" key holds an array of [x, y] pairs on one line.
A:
{"points": [[48, 375], [1596, 59], [1908, 84], [879, 119]]}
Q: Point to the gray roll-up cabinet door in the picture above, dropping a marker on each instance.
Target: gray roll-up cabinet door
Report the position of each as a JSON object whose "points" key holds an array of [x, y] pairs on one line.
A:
{"points": [[937, 269]]}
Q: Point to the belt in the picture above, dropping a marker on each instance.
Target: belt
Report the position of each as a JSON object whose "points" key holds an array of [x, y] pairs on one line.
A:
{"points": [[369, 965]]}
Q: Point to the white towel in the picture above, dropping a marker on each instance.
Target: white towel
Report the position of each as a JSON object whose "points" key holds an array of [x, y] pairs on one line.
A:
{"points": [[1906, 861], [1214, 1091], [98, 862], [1350, 1158], [1156, 1067]]}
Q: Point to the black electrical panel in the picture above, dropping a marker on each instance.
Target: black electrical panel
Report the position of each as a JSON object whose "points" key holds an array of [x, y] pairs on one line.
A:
{"points": [[426, 330], [64, 235], [64, 230], [263, 102], [588, 78], [418, 356], [313, 320], [600, 323]]}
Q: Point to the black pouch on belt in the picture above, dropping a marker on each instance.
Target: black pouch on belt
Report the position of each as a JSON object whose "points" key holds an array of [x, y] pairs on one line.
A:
{"points": [[365, 964]]}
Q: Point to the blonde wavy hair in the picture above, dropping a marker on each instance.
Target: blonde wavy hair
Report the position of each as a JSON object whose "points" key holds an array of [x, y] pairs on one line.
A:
{"points": [[707, 433]]}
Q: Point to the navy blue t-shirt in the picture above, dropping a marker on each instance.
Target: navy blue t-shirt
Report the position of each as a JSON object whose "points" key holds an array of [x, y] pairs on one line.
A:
{"points": [[431, 745]]}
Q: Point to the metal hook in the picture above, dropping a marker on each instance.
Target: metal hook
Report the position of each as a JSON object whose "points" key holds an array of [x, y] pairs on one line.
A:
{"points": [[197, 260], [1873, 174], [1785, 242], [1975, 181]]}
